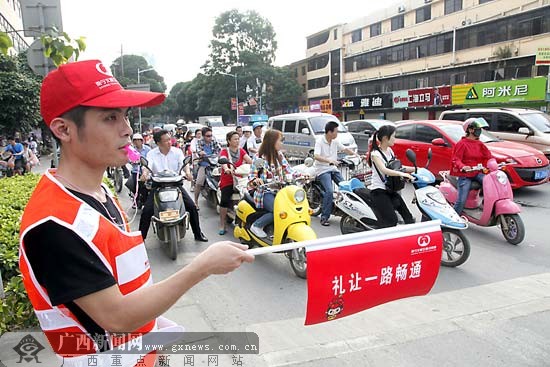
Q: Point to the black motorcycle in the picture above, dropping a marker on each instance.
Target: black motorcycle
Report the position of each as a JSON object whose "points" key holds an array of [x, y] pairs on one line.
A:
{"points": [[170, 219]]}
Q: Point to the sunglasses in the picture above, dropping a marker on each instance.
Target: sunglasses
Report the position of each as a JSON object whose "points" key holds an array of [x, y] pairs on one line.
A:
{"points": [[208, 136]]}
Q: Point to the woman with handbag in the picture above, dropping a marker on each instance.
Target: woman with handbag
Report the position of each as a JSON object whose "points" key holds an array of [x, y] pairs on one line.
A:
{"points": [[387, 179], [237, 156]]}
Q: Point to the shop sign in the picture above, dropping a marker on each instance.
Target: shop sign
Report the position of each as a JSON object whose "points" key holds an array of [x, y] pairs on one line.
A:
{"points": [[505, 91]]}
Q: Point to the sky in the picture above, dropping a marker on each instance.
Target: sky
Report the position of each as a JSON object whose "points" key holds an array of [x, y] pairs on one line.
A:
{"points": [[174, 35]]}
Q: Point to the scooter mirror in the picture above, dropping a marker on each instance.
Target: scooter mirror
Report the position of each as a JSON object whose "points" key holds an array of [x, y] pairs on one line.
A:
{"points": [[186, 160], [411, 156], [223, 160], [144, 162], [308, 162]]}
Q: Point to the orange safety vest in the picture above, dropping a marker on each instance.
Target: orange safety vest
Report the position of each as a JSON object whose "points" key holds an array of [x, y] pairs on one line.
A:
{"points": [[121, 251]]}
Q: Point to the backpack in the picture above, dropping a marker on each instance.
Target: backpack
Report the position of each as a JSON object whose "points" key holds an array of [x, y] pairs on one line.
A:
{"points": [[393, 183]]}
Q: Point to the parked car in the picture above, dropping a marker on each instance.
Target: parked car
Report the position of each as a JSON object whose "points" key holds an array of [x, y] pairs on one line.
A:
{"points": [[521, 125], [302, 129], [362, 130], [527, 166]]}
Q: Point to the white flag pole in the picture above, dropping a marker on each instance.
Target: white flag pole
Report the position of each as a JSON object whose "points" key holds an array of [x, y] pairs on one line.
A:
{"points": [[352, 239]]}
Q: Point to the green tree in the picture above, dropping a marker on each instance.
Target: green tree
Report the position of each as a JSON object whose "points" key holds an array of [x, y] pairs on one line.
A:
{"points": [[125, 69], [240, 40], [19, 95], [5, 43]]}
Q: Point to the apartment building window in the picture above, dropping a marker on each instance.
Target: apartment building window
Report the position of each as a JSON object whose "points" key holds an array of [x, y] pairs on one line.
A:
{"points": [[515, 68], [397, 22], [295, 72], [484, 1], [318, 39], [452, 6], [303, 70], [303, 88], [376, 29], [506, 29], [356, 35], [317, 83], [318, 63], [423, 14], [335, 34]]}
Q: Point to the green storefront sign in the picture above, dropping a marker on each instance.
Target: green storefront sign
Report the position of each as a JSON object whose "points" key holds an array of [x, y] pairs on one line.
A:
{"points": [[505, 91]]}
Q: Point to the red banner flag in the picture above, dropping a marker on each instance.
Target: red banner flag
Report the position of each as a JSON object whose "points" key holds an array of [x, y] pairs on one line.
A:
{"points": [[351, 273]]}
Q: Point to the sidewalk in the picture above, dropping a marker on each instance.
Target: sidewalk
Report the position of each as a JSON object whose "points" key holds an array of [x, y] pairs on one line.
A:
{"points": [[500, 324]]}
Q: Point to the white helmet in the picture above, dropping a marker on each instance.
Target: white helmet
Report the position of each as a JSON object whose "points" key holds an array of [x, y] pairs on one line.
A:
{"points": [[137, 136], [247, 128]]}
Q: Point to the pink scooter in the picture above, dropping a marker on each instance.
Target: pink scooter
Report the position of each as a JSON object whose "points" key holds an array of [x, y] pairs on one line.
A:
{"points": [[495, 207]]}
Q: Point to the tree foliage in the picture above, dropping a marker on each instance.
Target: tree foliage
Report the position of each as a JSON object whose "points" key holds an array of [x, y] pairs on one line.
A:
{"points": [[5, 43], [243, 45], [19, 95], [60, 48], [125, 69], [240, 40]]}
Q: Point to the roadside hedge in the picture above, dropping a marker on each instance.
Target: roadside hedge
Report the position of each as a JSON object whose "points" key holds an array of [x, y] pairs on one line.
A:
{"points": [[16, 311]]}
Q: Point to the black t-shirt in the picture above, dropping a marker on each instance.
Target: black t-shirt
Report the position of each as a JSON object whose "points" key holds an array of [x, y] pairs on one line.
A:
{"points": [[66, 266]]}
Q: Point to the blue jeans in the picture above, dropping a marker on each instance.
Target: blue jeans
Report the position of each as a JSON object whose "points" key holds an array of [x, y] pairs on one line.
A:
{"points": [[326, 181], [267, 218], [464, 184]]}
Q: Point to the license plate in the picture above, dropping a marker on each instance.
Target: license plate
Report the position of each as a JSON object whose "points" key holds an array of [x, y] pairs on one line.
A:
{"points": [[539, 175], [171, 214]]}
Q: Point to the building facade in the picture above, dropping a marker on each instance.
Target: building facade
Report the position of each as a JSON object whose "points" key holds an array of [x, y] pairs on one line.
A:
{"points": [[407, 58], [11, 22]]}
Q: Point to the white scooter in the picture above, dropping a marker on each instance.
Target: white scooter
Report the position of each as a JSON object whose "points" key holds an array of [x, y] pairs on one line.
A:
{"points": [[359, 212]]}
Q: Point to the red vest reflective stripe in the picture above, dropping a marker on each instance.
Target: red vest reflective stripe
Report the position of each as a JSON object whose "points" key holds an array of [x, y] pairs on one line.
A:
{"points": [[122, 252]]}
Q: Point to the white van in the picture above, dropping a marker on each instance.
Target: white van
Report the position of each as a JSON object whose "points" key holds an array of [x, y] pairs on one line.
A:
{"points": [[302, 129]]}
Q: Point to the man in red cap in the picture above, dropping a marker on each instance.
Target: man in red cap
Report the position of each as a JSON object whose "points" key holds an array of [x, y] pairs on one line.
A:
{"points": [[84, 270]]}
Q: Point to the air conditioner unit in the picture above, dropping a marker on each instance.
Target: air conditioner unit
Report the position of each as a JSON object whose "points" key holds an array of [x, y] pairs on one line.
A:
{"points": [[401, 9], [427, 1]]}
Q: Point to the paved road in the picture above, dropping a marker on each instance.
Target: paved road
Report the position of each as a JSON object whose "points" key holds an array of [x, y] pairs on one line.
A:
{"points": [[493, 311]]}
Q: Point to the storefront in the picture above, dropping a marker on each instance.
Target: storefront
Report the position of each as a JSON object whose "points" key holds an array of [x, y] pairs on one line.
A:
{"points": [[364, 107], [513, 93], [419, 104]]}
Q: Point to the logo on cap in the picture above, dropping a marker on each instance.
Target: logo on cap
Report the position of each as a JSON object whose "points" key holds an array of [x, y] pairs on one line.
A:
{"points": [[102, 69]]}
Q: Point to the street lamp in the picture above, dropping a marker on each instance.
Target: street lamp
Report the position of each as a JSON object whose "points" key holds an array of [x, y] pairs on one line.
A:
{"points": [[236, 94], [139, 108]]}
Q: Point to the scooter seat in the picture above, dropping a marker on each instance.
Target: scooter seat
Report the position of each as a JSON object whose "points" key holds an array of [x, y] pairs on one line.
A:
{"points": [[249, 199], [454, 181]]}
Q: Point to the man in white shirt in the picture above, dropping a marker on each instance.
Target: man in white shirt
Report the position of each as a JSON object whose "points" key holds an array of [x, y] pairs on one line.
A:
{"points": [[326, 163], [166, 157], [254, 142]]}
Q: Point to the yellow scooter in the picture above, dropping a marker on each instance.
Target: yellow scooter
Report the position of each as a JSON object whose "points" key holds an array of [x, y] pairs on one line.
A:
{"points": [[292, 221]]}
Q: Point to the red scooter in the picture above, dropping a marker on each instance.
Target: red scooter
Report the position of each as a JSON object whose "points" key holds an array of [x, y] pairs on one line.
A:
{"points": [[495, 207]]}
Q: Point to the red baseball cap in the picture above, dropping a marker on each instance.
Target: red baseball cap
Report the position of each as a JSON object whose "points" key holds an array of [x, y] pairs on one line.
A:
{"points": [[88, 83]]}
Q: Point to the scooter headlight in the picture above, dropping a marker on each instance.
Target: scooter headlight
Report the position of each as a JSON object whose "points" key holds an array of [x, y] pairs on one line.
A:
{"points": [[299, 195], [168, 195], [502, 178]]}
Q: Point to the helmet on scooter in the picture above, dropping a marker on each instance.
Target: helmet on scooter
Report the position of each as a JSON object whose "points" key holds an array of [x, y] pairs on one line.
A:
{"points": [[475, 123]]}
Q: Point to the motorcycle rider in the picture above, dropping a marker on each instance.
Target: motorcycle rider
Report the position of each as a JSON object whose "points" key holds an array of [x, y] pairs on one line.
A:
{"points": [[237, 156], [247, 132], [166, 157], [326, 163], [135, 174], [275, 167], [468, 152], [253, 143], [207, 146], [386, 202]]}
